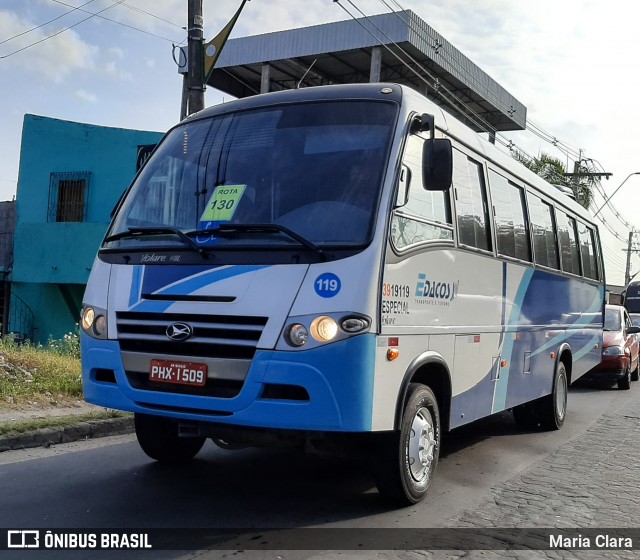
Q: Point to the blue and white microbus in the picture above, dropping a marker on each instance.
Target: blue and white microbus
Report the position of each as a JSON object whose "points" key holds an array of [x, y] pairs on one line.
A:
{"points": [[338, 263]]}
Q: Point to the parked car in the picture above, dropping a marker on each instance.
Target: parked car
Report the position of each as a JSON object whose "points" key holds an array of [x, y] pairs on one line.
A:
{"points": [[635, 319], [620, 349]]}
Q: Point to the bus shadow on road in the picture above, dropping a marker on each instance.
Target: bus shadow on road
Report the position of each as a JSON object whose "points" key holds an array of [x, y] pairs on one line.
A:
{"points": [[501, 424], [233, 489], [236, 488], [594, 385]]}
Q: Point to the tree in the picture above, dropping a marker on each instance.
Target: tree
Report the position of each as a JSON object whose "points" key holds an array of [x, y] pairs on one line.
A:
{"points": [[552, 170]]}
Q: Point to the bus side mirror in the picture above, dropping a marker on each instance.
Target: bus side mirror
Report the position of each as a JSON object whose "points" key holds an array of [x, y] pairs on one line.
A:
{"points": [[437, 156], [437, 164]]}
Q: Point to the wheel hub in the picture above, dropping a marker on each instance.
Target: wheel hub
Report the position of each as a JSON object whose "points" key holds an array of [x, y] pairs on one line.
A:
{"points": [[561, 397], [421, 445]]}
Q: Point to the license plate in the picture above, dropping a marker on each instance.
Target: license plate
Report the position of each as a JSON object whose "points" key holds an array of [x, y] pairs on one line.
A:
{"points": [[181, 373]]}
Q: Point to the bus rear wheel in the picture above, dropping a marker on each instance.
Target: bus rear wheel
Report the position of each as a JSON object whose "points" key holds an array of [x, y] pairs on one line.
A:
{"points": [[547, 412], [553, 408], [409, 456], [158, 437]]}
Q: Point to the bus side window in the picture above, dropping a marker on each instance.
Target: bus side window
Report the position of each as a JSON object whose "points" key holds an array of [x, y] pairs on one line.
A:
{"points": [[471, 202], [426, 215], [544, 234], [568, 238], [587, 251], [512, 228]]}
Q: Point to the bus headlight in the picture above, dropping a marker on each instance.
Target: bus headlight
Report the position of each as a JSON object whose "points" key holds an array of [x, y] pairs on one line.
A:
{"points": [[100, 326], [297, 335], [324, 329], [306, 332], [94, 322], [88, 316]]}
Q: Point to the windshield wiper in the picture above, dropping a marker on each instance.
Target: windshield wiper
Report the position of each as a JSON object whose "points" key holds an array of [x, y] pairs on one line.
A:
{"points": [[134, 232], [260, 228]]}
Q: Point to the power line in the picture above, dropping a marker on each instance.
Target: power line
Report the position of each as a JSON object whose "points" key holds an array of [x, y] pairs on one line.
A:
{"points": [[478, 119], [136, 9], [568, 151], [45, 23], [240, 80], [608, 204], [121, 23], [534, 128], [439, 88], [547, 137], [62, 30]]}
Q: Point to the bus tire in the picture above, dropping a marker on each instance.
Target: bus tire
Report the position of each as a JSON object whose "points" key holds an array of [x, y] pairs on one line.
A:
{"points": [[158, 438], [409, 456], [552, 409]]}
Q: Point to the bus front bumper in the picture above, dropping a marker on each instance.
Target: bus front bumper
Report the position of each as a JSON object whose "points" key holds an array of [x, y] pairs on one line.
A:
{"points": [[326, 389]]}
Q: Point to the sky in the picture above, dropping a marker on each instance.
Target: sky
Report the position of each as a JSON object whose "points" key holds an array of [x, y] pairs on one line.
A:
{"points": [[572, 63]]}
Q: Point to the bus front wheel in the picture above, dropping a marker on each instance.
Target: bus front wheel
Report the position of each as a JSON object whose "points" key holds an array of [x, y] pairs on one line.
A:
{"points": [[158, 437], [409, 456]]}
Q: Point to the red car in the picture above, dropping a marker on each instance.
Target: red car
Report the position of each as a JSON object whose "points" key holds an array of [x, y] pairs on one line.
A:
{"points": [[620, 350]]}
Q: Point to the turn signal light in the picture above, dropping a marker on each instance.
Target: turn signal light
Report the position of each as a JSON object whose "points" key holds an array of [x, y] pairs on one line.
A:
{"points": [[392, 354]]}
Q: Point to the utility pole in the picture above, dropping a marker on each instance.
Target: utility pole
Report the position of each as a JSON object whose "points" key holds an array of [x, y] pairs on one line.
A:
{"points": [[630, 249], [194, 81], [580, 173], [576, 177], [627, 272]]}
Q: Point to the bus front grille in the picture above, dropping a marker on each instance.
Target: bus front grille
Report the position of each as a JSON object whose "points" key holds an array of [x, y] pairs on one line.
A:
{"points": [[213, 336]]}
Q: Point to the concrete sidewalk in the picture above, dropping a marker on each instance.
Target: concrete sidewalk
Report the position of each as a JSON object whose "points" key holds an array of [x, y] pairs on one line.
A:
{"points": [[85, 427]]}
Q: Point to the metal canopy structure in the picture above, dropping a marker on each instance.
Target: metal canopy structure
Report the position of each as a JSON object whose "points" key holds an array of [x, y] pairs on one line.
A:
{"points": [[396, 47]]}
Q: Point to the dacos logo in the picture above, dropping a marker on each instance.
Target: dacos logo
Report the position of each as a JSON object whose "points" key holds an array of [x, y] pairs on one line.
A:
{"points": [[435, 290]]}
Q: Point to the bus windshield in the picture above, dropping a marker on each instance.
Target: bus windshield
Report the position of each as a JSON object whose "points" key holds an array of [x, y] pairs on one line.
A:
{"points": [[313, 170]]}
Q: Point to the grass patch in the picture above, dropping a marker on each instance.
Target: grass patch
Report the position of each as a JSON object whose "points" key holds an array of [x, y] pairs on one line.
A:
{"points": [[37, 375], [31, 425]]}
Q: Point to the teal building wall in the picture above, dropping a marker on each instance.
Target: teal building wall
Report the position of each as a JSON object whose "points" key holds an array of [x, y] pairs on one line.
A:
{"points": [[52, 259]]}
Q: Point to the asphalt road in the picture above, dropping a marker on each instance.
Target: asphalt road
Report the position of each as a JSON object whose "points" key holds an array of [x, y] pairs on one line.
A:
{"points": [[110, 483]]}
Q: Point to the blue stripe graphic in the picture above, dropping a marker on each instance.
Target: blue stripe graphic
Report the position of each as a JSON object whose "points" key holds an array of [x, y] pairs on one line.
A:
{"points": [[584, 320], [500, 391], [192, 284], [136, 283]]}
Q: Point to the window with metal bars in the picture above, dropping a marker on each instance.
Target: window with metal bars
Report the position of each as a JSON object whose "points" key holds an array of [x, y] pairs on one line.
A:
{"points": [[68, 196]]}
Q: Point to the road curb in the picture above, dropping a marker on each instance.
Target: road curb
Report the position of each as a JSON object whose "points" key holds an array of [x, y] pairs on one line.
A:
{"points": [[88, 429]]}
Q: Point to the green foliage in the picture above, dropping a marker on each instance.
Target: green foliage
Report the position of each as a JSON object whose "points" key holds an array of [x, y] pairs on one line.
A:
{"points": [[68, 345], [553, 170], [32, 374], [22, 426]]}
